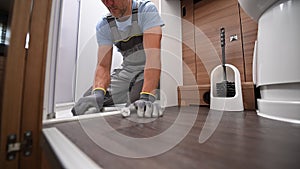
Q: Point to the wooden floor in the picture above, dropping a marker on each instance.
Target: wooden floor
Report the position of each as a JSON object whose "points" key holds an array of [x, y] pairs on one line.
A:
{"points": [[241, 140]]}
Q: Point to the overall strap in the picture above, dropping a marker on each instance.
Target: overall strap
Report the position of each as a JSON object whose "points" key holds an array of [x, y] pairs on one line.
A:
{"points": [[135, 12], [113, 27]]}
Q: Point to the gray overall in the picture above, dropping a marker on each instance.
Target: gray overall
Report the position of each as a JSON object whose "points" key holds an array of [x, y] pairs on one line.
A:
{"points": [[127, 83]]}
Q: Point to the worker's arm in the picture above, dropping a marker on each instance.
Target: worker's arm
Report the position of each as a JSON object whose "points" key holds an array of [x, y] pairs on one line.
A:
{"points": [[146, 105], [102, 74], [152, 43], [101, 81]]}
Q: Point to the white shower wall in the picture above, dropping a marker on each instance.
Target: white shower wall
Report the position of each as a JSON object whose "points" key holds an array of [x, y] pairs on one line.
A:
{"points": [[91, 11], [171, 54]]}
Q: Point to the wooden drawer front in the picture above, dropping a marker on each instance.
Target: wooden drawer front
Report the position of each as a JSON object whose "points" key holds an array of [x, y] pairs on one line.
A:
{"points": [[195, 95]]}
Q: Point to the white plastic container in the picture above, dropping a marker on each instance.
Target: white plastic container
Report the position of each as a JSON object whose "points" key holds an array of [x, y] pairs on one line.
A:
{"points": [[278, 57], [234, 103]]}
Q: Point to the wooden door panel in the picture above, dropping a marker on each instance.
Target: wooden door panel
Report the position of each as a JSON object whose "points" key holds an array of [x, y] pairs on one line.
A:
{"points": [[34, 80], [210, 16], [13, 82], [22, 105]]}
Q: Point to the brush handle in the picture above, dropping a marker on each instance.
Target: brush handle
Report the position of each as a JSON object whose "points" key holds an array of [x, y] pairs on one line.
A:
{"points": [[222, 38]]}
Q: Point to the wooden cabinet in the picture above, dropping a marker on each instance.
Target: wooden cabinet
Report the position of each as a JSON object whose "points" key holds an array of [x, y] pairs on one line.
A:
{"points": [[23, 80], [2, 73], [201, 23], [209, 17]]}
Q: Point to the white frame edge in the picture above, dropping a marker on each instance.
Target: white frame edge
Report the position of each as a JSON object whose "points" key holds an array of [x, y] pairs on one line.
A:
{"points": [[68, 153]]}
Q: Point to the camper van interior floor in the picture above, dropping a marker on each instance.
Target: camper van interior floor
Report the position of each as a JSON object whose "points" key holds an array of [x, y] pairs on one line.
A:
{"points": [[205, 139]]}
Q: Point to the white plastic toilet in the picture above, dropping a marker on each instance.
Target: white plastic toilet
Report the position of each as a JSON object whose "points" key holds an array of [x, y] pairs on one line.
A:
{"points": [[277, 57], [234, 103]]}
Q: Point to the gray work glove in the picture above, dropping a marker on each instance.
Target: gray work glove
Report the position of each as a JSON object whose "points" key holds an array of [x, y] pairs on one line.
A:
{"points": [[95, 101], [145, 107]]}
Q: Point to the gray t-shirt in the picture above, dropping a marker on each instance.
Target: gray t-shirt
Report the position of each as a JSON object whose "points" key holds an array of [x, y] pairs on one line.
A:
{"points": [[148, 17]]}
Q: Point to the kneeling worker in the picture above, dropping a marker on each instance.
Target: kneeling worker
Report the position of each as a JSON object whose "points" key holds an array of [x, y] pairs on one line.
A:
{"points": [[134, 27]]}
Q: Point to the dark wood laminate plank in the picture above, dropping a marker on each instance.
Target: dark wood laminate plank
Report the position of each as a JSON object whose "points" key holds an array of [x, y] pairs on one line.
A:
{"points": [[241, 140]]}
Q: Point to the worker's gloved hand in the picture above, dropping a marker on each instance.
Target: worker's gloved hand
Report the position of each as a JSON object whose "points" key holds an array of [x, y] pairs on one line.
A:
{"points": [[84, 104], [147, 107]]}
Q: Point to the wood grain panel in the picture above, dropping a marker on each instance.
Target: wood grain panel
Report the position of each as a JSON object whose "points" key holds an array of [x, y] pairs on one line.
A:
{"points": [[2, 73], [188, 43], [14, 77], [188, 66], [33, 93], [210, 16], [193, 95], [188, 95], [249, 31], [248, 95]]}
